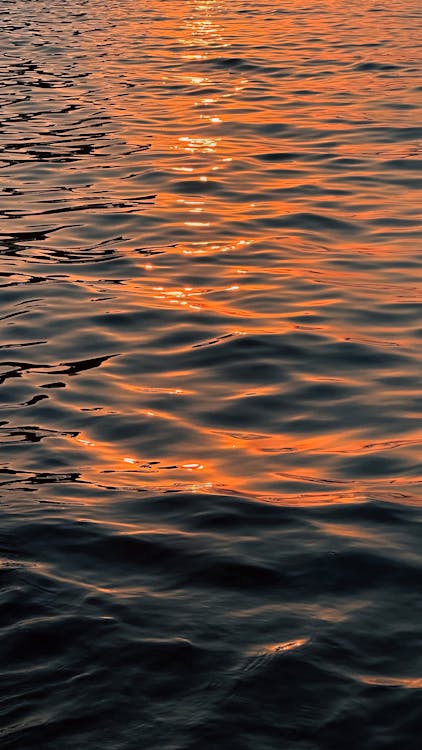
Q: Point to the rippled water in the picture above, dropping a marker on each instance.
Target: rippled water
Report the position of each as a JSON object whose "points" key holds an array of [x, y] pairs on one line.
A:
{"points": [[210, 367]]}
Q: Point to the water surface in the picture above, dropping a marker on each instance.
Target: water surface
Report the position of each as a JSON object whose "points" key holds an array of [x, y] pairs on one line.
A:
{"points": [[210, 370]]}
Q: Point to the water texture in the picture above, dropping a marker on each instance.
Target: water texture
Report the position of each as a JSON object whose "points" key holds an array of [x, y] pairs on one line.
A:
{"points": [[210, 374]]}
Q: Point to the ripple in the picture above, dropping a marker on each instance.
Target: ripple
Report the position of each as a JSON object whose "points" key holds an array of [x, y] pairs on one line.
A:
{"points": [[210, 374]]}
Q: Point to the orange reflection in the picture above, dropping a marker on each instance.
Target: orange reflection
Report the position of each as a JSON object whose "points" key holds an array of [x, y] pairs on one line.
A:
{"points": [[409, 683], [263, 312]]}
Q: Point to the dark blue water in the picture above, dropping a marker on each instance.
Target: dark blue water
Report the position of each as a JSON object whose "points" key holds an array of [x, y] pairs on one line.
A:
{"points": [[210, 375]]}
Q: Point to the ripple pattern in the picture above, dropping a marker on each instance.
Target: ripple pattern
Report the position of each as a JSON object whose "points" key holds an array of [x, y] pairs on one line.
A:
{"points": [[210, 374]]}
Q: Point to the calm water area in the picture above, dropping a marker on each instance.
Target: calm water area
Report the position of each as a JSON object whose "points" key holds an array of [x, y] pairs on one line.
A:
{"points": [[210, 374]]}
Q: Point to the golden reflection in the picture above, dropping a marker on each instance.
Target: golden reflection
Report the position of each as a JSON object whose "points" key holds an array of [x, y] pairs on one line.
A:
{"points": [[409, 683], [272, 649], [251, 163]]}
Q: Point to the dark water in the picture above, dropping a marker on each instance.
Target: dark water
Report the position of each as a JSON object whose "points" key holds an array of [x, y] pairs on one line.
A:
{"points": [[210, 367]]}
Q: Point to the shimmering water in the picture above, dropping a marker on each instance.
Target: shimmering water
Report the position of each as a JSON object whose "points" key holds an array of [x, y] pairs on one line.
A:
{"points": [[210, 367]]}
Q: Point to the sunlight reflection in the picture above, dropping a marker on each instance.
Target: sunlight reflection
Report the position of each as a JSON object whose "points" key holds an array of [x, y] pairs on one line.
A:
{"points": [[241, 188]]}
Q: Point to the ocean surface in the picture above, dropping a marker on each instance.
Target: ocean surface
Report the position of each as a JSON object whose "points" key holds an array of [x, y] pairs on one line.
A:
{"points": [[211, 375]]}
